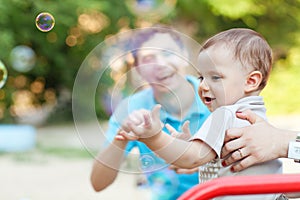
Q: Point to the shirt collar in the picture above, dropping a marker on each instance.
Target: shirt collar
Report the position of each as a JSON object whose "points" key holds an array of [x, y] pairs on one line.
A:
{"points": [[255, 103]]}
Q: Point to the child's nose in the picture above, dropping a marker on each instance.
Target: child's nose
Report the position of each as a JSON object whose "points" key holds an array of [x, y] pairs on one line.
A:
{"points": [[203, 85]]}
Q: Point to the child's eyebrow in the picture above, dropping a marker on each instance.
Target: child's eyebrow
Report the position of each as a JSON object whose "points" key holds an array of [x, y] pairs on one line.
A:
{"points": [[214, 71], [199, 73]]}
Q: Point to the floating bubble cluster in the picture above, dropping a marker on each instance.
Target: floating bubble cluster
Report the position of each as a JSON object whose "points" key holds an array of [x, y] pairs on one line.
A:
{"points": [[45, 22], [3, 74], [22, 58]]}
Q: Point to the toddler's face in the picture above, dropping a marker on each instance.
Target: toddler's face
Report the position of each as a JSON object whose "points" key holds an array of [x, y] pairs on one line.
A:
{"points": [[222, 78]]}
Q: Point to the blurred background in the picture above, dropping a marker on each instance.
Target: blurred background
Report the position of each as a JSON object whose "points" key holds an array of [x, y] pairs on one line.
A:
{"points": [[42, 65], [41, 55]]}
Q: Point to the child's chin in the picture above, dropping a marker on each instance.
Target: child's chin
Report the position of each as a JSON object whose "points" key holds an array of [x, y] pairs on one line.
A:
{"points": [[211, 109]]}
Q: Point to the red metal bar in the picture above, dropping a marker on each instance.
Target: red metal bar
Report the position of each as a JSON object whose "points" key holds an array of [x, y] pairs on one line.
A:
{"points": [[243, 185]]}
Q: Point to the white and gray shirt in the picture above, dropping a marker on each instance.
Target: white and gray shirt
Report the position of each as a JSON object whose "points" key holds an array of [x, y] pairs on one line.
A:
{"points": [[212, 132]]}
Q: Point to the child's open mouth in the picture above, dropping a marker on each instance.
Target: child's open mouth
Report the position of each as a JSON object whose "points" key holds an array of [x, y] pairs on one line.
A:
{"points": [[208, 100]]}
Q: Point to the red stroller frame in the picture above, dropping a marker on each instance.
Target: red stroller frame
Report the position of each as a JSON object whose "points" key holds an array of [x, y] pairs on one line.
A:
{"points": [[243, 185]]}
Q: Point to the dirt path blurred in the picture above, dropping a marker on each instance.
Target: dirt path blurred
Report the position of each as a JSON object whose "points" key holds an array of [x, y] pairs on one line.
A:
{"points": [[59, 179], [36, 176], [45, 177]]}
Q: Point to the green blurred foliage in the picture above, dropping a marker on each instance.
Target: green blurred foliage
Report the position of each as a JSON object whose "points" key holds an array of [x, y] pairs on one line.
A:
{"points": [[58, 61]]}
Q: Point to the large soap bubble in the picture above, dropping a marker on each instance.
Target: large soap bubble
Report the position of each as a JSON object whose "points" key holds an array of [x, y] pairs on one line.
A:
{"points": [[108, 73]]}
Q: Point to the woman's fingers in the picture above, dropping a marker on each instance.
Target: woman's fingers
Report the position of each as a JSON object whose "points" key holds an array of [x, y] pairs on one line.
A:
{"points": [[249, 116], [243, 164]]}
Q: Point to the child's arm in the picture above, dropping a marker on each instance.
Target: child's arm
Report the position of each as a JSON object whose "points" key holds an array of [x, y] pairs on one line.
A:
{"points": [[181, 153], [185, 135]]}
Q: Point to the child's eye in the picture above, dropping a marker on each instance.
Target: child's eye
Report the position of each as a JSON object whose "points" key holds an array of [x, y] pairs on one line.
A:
{"points": [[215, 78]]}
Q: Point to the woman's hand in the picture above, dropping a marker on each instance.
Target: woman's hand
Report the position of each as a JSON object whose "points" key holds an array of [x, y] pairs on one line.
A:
{"points": [[253, 144]]}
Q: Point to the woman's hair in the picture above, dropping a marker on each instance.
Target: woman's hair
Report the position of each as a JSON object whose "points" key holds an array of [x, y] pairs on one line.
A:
{"points": [[248, 47]]}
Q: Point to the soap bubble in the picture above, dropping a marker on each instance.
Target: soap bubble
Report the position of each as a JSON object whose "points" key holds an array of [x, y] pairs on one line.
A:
{"points": [[22, 58], [44, 22], [146, 162], [3, 74], [151, 9], [105, 78]]}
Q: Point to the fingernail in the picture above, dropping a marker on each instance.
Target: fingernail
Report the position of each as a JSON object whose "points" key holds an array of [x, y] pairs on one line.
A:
{"points": [[238, 112], [223, 163], [231, 169]]}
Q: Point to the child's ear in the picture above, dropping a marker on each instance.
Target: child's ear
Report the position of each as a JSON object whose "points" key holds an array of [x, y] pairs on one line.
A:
{"points": [[253, 81]]}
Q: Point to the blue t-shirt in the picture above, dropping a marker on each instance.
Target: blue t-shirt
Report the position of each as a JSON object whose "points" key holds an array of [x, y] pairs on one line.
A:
{"points": [[166, 184]]}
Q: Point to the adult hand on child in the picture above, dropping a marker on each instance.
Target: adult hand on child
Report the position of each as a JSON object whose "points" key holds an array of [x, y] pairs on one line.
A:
{"points": [[252, 144]]}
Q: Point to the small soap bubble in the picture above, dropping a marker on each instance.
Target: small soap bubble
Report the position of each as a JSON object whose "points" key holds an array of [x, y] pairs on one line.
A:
{"points": [[151, 9], [146, 162], [45, 22], [22, 58], [3, 74], [146, 4]]}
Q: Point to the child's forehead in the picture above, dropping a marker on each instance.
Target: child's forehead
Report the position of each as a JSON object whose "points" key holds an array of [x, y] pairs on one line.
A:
{"points": [[217, 53], [216, 58], [221, 46]]}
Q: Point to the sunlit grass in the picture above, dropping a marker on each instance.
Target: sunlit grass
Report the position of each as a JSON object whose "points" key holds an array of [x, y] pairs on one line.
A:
{"points": [[282, 96]]}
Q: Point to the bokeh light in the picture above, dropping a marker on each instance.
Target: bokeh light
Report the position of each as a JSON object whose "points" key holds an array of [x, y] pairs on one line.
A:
{"points": [[3, 74], [22, 58], [93, 22], [45, 22]]}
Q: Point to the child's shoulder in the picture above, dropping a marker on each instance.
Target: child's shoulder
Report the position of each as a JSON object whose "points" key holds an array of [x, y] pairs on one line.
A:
{"points": [[223, 112]]}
